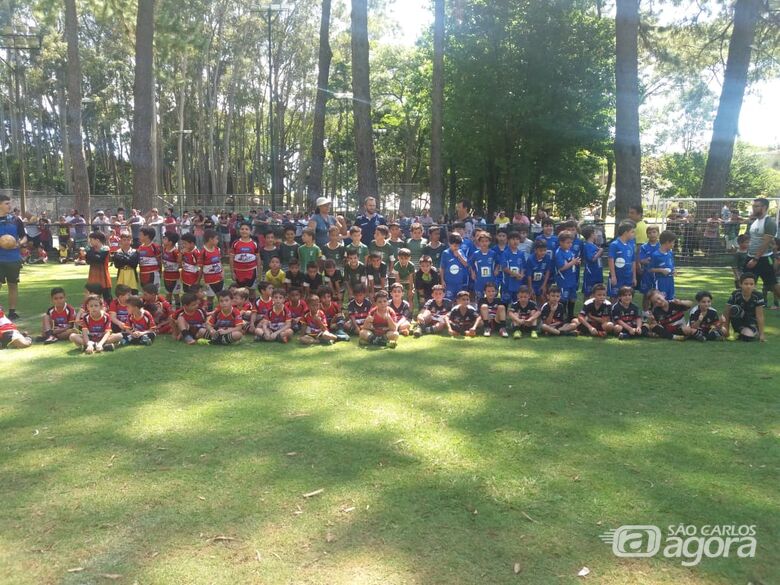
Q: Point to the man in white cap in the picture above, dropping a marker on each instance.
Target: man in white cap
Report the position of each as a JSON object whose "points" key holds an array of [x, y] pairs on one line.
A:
{"points": [[321, 221]]}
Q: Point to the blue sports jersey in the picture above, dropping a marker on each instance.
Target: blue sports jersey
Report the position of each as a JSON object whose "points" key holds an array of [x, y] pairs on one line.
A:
{"points": [[552, 243], [456, 276], [623, 256], [647, 280], [536, 270], [663, 282], [576, 248], [515, 262], [565, 279], [499, 255], [593, 272], [484, 266]]}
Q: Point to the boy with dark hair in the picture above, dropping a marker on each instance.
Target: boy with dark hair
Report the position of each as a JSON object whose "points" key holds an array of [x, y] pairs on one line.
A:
{"points": [[191, 320], [622, 268], [315, 328], [263, 303], [171, 264], [595, 315], [379, 327], [59, 320], [434, 248], [548, 237], [553, 315], [225, 324], [309, 251], [524, 244], [662, 264], [432, 317], [626, 316], [125, 260], [740, 257], [463, 319], [97, 257], [333, 278], [704, 321], [356, 245], [297, 307], [512, 264], [667, 317], [190, 262], [645, 277], [483, 264], [376, 271], [403, 271], [537, 268], [142, 327], [312, 280], [91, 288], [416, 244], [396, 242], [745, 310], [425, 279], [454, 268], [277, 324], [492, 311], [354, 272], [275, 275], [245, 262], [566, 264], [357, 310], [333, 313], [293, 277], [95, 333], [402, 309], [523, 314], [288, 249], [119, 311], [148, 256], [591, 254], [380, 245], [211, 265], [160, 309], [334, 249], [267, 252]]}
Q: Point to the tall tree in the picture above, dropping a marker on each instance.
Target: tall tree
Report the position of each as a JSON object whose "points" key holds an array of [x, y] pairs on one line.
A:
{"points": [[724, 129], [80, 178], [314, 182], [361, 103], [628, 155], [437, 112], [144, 179]]}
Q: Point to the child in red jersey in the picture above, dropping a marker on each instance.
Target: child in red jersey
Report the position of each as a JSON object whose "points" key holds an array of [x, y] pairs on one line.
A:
{"points": [[95, 333], [10, 336], [333, 312], [171, 265], [211, 264], [315, 325], [91, 288], [191, 320], [245, 307], [190, 262], [297, 307], [160, 308], [380, 328], [148, 256], [357, 310], [245, 258], [277, 324], [262, 303], [119, 311], [59, 320], [224, 325], [142, 327], [401, 308]]}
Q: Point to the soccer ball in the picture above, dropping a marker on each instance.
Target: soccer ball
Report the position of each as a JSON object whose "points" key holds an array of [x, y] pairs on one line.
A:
{"points": [[7, 242]]}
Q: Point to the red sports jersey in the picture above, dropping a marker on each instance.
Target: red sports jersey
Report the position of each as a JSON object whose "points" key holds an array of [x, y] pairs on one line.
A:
{"points": [[244, 260], [62, 318], [263, 307], [381, 324], [143, 323], [122, 311], [211, 261], [149, 258], [195, 319], [277, 320], [113, 243], [311, 327], [219, 320], [299, 310], [96, 328], [5, 323], [331, 310], [190, 267], [170, 263]]}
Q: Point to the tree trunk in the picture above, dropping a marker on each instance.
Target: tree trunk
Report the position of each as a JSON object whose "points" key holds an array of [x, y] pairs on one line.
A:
{"points": [[724, 129], [231, 98], [80, 177], [67, 170], [361, 103], [437, 112], [143, 109], [627, 147], [608, 188], [314, 183]]}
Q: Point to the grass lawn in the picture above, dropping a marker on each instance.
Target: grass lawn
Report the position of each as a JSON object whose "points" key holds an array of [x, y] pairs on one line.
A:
{"points": [[443, 461]]}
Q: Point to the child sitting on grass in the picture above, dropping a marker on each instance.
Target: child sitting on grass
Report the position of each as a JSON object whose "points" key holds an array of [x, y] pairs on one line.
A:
{"points": [[225, 325], [401, 309], [667, 317], [143, 330], [463, 319], [96, 334], [594, 318], [10, 336], [191, 320], [704, 320], [524, 314], [315, 328], [553, 315], [59, 320], [379, 327], [745, 310], [357, 310], [333, 312], [433, 317], [277, 324], [491, 311], [626, 316]]}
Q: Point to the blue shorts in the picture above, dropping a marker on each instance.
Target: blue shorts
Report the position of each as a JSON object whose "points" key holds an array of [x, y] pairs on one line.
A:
{"points": [[587, 286], [646, 282], [508, 296], [450, 292], [613, 290], [569, 295]]}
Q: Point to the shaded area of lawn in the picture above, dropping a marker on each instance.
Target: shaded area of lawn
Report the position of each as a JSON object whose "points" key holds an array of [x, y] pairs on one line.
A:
{"points": [[441, 462]]}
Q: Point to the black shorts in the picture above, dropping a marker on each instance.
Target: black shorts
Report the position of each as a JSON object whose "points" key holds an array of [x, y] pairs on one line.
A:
{"points": [[764, 270], [217, 286], [249, 283], [9, 272], [170, 285]]}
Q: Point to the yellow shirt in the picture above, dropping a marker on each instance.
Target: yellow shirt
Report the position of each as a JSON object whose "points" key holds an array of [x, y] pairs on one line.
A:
{"points": [[641, 232], [277, 281]]}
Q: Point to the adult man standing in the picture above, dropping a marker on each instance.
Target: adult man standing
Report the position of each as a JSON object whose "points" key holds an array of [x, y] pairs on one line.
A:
{"points": [[11, 259], [100, 223], [463, 209], [368, 220], [763, 232]]}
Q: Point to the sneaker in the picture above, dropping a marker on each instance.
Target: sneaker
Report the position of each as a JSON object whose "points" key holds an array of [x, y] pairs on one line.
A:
{"points": [[341, 335], [678, 337], [392, 344], [503, 333], [145, 340], [534, 335], [417, 333], [12, 315], [50, 339], [488, 332], [700, 336], [258, 338], [517, 334], [124, 341], [189, 340], [108, 347], [623, 335], [203, 341]]}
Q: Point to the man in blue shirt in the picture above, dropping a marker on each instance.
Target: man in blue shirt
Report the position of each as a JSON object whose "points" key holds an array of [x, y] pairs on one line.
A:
{"points": [[622, 269], [11, 258], [368, 221]]}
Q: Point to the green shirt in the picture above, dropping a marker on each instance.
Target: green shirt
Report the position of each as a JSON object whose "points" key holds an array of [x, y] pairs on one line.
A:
{"points": [[360, 248], [308, 254], [434, 253], [287, 252], [336, 254], [405, 273], [416, 248], [386, 250]]}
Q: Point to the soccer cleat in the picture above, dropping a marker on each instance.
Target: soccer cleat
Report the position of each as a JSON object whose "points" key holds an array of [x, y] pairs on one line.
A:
{"points": [[503, 333], [392, 344], [534, 335], [517, 334], [624, 335], [13, 315], [49, 340], [380, 341], [123, 341], [678, 337], [700, 336], [341, 335], [146, 340], [203, 341], [417, 333], [189, 340], [487, 332], [109, 347], [258, 338]]}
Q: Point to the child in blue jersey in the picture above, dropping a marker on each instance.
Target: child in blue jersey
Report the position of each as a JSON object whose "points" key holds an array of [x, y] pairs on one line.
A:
{"points": [[622, 269], [566, 264], [525, 245], [454, 268], [662, 264], [502, 240], [483, 265], [537, 271], [467, 245], [513, 267], [591, 255], [646, 251], [549, 238]]}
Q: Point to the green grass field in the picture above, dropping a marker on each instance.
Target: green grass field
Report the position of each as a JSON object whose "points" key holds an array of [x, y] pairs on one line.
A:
{"points": [[443, 461]]}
